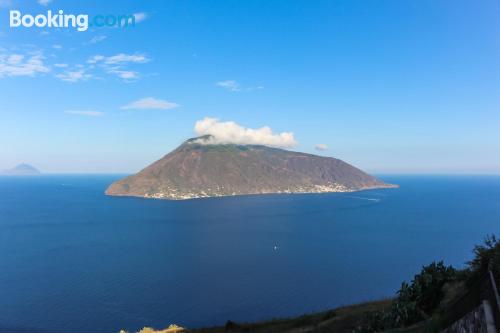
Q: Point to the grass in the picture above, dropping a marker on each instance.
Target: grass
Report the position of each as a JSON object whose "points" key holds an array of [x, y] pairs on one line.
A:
{"points": [[339, 320]]}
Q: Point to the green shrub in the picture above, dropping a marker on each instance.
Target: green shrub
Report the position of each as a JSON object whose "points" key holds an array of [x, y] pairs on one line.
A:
{"points": [[420, 299], [415, 302], [486, 257]]}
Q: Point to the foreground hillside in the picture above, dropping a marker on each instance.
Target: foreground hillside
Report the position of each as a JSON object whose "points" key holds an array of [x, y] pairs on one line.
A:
{"points": [[341, 320], [197, 169]]}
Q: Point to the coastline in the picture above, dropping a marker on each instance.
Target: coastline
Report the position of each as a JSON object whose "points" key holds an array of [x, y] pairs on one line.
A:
{"points": [[318, 190]]}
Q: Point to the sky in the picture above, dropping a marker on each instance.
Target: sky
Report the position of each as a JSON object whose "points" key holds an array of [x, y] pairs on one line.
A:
{"points": [[388, 86]]}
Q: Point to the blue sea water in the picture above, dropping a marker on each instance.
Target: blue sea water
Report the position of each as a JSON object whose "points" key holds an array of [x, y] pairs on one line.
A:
{"points": [[75, 260]]}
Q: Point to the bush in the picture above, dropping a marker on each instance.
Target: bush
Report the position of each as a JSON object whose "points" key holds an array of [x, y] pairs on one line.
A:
{"points": [[415, 302], [421, 298], [486, 257]]}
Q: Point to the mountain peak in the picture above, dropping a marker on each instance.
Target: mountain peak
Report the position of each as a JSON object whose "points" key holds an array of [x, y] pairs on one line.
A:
{"points": [[210, 142], [22, 169], [201, 139]]}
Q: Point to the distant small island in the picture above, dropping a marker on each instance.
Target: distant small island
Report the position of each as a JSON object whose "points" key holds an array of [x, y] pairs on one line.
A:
{"points": [[200, 169], [21, 170]]}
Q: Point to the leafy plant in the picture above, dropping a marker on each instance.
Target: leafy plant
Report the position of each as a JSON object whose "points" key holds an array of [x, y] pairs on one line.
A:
{"points": [[486, 257], [415, 302]]}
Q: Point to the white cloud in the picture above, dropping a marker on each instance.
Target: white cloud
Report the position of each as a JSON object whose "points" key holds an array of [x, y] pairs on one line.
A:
{"points": [[119, 59], [84, 113], [44, 2], [231, 132], [57, 46], [234, 86], [126, 75], [20, 65], [95, 59], [97, 39], [123, 58], [61, 65], [117, 64], [139, 17], [74, 76], [321, 147], [230, 85], [150, 103], [15, 59]]}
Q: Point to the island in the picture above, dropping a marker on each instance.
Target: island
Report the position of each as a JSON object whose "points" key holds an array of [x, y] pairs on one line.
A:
{"points": [[21, 170], [198, 169]]}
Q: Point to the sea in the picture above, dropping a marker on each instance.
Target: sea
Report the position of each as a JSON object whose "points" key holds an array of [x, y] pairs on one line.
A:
{"points": [[75, 260]]}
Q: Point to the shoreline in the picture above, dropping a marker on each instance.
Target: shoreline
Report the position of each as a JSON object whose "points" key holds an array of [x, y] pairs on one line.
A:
{"points": [[197, 197]]}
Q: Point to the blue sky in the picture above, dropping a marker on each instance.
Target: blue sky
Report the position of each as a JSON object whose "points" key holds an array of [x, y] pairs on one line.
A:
{"points": [[389, 86]]}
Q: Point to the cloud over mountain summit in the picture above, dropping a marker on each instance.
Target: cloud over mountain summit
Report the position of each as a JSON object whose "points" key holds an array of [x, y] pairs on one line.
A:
{"points": [[231, 132]]}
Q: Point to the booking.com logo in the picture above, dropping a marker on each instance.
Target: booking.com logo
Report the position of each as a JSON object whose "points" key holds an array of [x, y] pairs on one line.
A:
{"points": [[79, 22]]}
